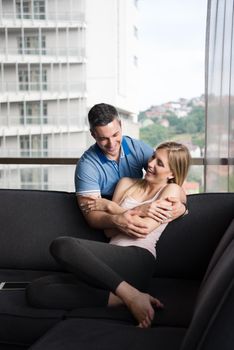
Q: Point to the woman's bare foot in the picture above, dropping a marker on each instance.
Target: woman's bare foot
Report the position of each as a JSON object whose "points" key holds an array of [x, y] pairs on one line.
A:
{"points": [[140, 304], [141, 307]]}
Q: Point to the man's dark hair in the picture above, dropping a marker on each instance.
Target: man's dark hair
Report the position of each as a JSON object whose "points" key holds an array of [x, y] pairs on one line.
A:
{"points": [[102, 114]]}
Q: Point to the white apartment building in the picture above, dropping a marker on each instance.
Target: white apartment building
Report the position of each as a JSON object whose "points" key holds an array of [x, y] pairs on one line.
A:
{"points": [[57, 59]]}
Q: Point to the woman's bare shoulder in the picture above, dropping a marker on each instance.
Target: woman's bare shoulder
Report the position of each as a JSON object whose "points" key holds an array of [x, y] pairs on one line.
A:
{"points": [[127, 181], [121, 187], [172, 190]]}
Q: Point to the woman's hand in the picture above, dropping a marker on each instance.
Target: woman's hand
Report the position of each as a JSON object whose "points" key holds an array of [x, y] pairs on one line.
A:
{"points": [[159, 210], [100, 204]]}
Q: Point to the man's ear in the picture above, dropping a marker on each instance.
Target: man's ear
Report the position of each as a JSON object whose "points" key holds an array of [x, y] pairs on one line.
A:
{"points": [[92, 133]]}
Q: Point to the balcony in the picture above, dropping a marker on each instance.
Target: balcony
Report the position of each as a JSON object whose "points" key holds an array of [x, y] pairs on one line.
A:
{"points": [[45, 55], [43, 19], [30, 91]]}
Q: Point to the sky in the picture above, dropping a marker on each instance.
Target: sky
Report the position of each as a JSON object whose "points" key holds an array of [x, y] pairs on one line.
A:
{"points": [[171, 50]]}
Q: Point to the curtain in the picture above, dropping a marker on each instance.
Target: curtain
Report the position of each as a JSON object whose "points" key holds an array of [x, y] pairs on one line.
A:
{"points": [[219, 91]]}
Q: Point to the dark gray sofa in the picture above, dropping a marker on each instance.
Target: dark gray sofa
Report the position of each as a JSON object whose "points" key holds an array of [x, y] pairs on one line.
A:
{"points": [[193, 277]]}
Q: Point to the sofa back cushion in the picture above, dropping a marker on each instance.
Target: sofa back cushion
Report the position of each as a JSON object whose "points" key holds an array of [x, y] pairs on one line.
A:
{"points": [[31, 219], [188, 243], [212, 322]]}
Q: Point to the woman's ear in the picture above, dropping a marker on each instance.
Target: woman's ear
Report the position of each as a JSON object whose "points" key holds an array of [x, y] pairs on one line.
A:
{"points": [[170, 177]]}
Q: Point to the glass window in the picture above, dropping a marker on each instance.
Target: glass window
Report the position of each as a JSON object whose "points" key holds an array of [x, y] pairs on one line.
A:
{"points": [[39, 9], [34, 83], [23, 79], [34, 145], [24, 9], [34, 178], [31, 112]]}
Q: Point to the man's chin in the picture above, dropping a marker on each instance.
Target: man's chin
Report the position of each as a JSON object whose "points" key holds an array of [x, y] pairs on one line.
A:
{"points": [[112, 153]]}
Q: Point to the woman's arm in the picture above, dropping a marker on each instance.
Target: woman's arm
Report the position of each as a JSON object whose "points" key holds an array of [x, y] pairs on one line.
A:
{"points": [[164, 208], [172, 192], [109, 206]]}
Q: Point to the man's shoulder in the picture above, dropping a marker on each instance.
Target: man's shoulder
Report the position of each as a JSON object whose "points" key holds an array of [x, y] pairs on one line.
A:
{"points": [[136, 145], [89, 152], [88, 158], [89, 155], [135, 142]]}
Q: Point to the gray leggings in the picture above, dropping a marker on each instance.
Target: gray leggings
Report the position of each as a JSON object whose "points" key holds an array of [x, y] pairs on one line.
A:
{"points": [[96, 268]]}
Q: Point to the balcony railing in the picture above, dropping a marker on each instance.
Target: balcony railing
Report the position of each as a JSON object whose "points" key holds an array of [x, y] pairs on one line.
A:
{"points": [[73, 160], [48, 16], [52, 87], [44, 120], [58, 51], [60, 172]]}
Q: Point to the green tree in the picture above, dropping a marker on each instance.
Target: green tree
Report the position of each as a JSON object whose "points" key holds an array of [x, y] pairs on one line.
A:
{"points": [[199, 140], [154, 134], [141, 116], [197, 117]]}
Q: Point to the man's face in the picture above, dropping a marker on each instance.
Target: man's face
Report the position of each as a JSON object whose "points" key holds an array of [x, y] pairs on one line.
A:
{"points": [[109, 138]]}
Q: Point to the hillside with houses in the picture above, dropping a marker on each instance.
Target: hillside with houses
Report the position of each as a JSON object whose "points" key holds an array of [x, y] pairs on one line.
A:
{"points": [[182, 121]]}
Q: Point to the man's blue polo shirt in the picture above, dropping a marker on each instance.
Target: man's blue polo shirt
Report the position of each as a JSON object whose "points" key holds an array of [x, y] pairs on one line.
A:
{"points": [[97, 174]]}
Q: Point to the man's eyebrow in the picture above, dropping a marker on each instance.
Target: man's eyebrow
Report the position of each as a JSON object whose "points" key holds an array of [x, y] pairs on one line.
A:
{"points": [[106, 137]]}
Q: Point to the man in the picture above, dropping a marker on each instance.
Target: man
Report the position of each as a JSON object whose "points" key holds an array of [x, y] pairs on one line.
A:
{"points": [[112, 157]]}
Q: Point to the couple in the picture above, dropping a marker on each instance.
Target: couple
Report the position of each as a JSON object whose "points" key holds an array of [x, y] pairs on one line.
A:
{"points": [[118, 272]]}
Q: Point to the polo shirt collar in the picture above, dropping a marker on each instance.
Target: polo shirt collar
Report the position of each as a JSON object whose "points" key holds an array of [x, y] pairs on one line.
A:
{"points": [[124, 151]]}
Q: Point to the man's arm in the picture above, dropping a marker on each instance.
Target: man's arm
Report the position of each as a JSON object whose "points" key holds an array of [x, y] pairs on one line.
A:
{"points": [[124, 222], [176, 195], [165, 209], [87, 183]]}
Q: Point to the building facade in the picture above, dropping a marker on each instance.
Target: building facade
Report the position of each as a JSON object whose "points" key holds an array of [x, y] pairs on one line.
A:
{"points": [[57, 59]]}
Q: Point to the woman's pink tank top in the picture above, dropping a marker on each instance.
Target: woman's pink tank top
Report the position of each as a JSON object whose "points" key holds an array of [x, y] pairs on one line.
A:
{"points": [[149, 241]]}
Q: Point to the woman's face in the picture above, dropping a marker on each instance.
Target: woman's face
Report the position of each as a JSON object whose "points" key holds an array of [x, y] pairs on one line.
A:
{"points": [[158, 170]]}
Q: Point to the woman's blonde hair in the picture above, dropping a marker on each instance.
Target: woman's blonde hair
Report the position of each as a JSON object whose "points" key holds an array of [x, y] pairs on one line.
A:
{"points": [[179, 160]]}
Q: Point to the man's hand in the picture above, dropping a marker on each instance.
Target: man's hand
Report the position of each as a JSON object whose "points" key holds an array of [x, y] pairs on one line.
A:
{"points": [[178, 208], [159, 210], [130, 224], [162, 210]]}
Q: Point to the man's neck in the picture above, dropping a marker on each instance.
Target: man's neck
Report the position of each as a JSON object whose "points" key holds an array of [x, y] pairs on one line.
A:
{"points": [[116, 158]]}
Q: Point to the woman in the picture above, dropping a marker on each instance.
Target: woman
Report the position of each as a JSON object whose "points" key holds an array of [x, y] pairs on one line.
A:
{"points": [[119, 272]]}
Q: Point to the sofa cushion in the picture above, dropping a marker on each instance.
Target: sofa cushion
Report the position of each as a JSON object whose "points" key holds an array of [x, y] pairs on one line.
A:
{"points": [[178, 297], [41, 216], [20, 275], [223, 244], [187, 244], [91, 334], [211, 327], [20, 323], [31, 219]]}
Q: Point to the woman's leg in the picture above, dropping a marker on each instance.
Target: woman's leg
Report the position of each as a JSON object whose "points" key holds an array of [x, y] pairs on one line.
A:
{"points": [[104, 265], [65, 292], [113, 268]]}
